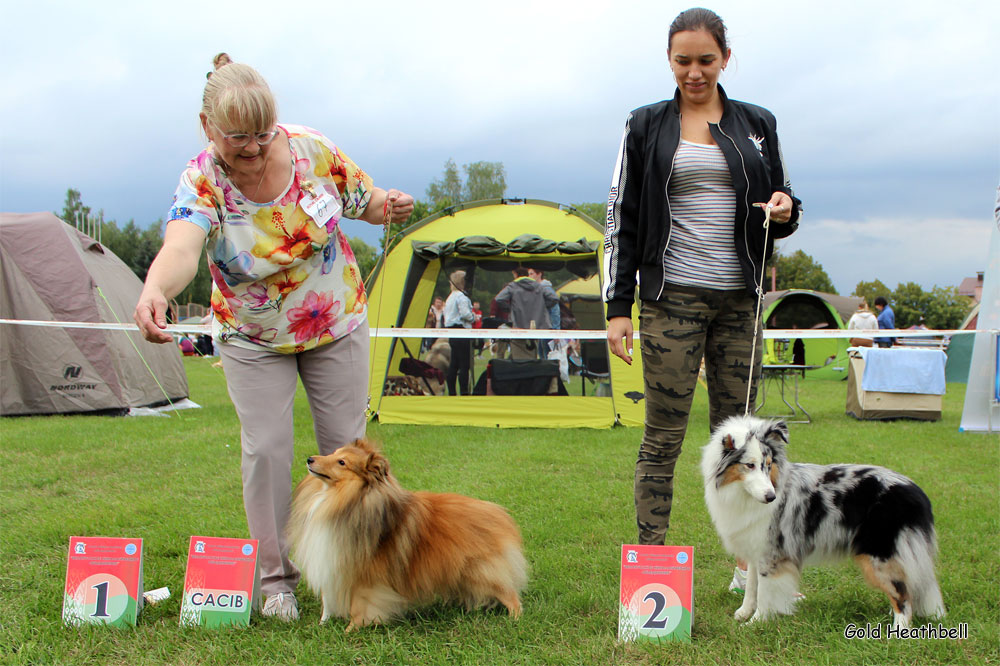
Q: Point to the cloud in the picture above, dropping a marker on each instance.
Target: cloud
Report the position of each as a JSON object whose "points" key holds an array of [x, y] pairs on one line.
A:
{"points": [[883, 115], [930, 252]]}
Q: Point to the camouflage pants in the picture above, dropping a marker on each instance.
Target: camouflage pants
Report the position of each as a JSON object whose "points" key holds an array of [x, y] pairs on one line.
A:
{"points": [[675, 333]]}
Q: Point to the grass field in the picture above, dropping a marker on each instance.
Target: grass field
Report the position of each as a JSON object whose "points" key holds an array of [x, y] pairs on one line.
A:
{"points": [[164, 479]]}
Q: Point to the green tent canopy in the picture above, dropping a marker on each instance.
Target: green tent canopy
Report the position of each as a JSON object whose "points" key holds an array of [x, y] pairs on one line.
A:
{"points": [[807, 309]]}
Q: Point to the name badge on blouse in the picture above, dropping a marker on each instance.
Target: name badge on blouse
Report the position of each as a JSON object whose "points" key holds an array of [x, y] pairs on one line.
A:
{"points": [[320, 206]]}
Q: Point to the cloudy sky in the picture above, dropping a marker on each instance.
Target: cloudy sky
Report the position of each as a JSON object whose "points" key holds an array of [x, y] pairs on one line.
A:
{"points": [[887, 112]]}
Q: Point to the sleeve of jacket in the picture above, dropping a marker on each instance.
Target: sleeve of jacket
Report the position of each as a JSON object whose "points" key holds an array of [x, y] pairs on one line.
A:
{"points": [[503, 298], [780, 182], [621, 227], [465, 310], [550, 295]]}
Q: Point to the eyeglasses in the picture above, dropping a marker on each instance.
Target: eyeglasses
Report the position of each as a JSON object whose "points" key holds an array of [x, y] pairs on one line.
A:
{"points": [[241, 139]]}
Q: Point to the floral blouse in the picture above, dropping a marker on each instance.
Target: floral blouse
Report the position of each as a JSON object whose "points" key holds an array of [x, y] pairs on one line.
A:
{"points": [[284, 275]]}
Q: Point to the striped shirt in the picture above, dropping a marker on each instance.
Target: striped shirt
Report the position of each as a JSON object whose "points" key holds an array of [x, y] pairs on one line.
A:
{"points": [[701, 251]]}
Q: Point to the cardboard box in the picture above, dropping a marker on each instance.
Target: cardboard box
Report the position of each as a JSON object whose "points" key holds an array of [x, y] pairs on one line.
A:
{"points": [[882, 406]]}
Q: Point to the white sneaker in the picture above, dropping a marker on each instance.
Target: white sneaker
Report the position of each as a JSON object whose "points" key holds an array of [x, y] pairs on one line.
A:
{"points": [[282, 606], [739, 582]]}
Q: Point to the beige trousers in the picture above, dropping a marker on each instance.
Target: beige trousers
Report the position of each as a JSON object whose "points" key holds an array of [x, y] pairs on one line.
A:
{"points": [[262, 387]]}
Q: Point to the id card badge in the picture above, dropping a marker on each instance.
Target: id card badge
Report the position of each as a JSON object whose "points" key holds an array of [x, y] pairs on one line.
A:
{"points": [[321, 207]]}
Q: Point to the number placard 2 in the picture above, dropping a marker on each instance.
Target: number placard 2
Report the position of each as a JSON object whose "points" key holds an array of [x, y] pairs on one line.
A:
{"points": [[103, 581], [656, 599]]}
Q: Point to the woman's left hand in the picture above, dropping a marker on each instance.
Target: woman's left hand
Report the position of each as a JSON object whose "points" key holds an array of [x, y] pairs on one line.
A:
{"points": [[397, 207], [781, 207]]}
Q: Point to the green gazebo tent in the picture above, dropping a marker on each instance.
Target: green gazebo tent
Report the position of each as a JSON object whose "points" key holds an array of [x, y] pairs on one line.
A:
{"points": [[487, 239]]}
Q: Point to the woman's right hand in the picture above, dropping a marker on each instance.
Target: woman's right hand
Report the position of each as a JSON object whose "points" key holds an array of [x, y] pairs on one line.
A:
{"points": [[620, 338], [151, 315]]}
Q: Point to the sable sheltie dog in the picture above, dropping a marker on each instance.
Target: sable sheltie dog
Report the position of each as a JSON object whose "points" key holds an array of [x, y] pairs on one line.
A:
{"points": [[778, 515], [371, 549]]}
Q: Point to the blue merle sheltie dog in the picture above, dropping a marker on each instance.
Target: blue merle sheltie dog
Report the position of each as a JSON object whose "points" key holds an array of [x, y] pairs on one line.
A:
{"points": [[778, 516]]}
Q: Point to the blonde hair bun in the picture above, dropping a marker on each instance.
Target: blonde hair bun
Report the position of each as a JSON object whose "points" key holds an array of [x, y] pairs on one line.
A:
{"points": [[237, 97]]}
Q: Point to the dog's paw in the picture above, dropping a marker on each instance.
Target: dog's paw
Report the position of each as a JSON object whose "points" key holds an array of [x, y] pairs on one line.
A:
{"points": [[351, 627], [761, 616], [743, 613]]}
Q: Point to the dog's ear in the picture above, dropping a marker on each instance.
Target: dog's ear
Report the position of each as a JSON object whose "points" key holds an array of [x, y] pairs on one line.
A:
{"points": [[377, 465], [777, 433], [362, 443], [727, 442], [367, 445]]}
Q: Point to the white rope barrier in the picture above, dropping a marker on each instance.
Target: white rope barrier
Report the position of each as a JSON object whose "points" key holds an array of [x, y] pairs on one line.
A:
{"points": [[527, 334]]}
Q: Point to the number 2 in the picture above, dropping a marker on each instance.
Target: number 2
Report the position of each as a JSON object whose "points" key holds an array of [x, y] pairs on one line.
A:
{"points": [[659, 603]]}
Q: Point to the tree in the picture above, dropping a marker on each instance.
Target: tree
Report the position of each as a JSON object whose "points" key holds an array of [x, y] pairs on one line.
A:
{"points": [[946, 308], [448, 190], [941, 308], [365, 255], [598, 212], [484, 180], [908, 304], [800, 271], [74, 211], [872, 290]]}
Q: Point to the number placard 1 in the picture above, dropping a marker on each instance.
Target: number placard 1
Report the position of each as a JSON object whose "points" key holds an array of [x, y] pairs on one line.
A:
{"points": [[103, 581], [656, 600]]}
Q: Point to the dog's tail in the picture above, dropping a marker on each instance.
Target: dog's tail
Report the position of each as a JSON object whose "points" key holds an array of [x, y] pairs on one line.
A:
{"points": [[916, 552]]}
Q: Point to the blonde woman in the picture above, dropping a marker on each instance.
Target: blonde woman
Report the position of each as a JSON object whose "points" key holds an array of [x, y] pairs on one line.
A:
{"points": [[265, 200], [458, 314], [862, 320]]}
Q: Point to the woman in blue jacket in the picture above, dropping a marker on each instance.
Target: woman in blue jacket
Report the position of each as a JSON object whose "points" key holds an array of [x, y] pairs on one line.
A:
{"points": [[686, 224]]}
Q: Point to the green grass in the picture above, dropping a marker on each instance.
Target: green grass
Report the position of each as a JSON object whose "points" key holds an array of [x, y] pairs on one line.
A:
{"points": [[164, 479]]}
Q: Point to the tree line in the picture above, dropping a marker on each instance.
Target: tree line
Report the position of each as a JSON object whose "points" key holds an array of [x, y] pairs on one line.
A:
{"points": [[939, 308]]}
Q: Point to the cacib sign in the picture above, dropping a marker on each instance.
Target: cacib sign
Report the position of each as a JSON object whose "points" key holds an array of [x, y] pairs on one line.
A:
{"points": [[232, 601]]}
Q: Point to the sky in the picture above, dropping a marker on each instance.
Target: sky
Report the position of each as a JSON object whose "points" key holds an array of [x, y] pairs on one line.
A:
{"points": [[887, 112]]}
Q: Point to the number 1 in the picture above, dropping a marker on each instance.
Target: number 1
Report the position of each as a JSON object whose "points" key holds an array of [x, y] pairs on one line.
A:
{"points": [[102, 600]]}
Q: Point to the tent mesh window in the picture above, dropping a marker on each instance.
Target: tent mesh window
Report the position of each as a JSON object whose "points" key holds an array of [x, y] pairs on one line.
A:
{"points": [[488, 264]]}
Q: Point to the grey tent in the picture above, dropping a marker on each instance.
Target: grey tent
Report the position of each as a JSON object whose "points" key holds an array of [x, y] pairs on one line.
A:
{"points": [[52, 272]]}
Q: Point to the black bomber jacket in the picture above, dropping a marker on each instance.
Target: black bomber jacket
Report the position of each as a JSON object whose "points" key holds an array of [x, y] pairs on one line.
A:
{"points": [[639, 219]]}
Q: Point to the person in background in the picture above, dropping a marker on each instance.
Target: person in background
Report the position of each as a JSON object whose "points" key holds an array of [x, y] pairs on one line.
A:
{"points": [[539, 276], [187, 347], [458, 314], [862, 320], [437, 312], [528, 303], [693, 178], [266, 201], [477, 312], [435, 319], [886, 320]]}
